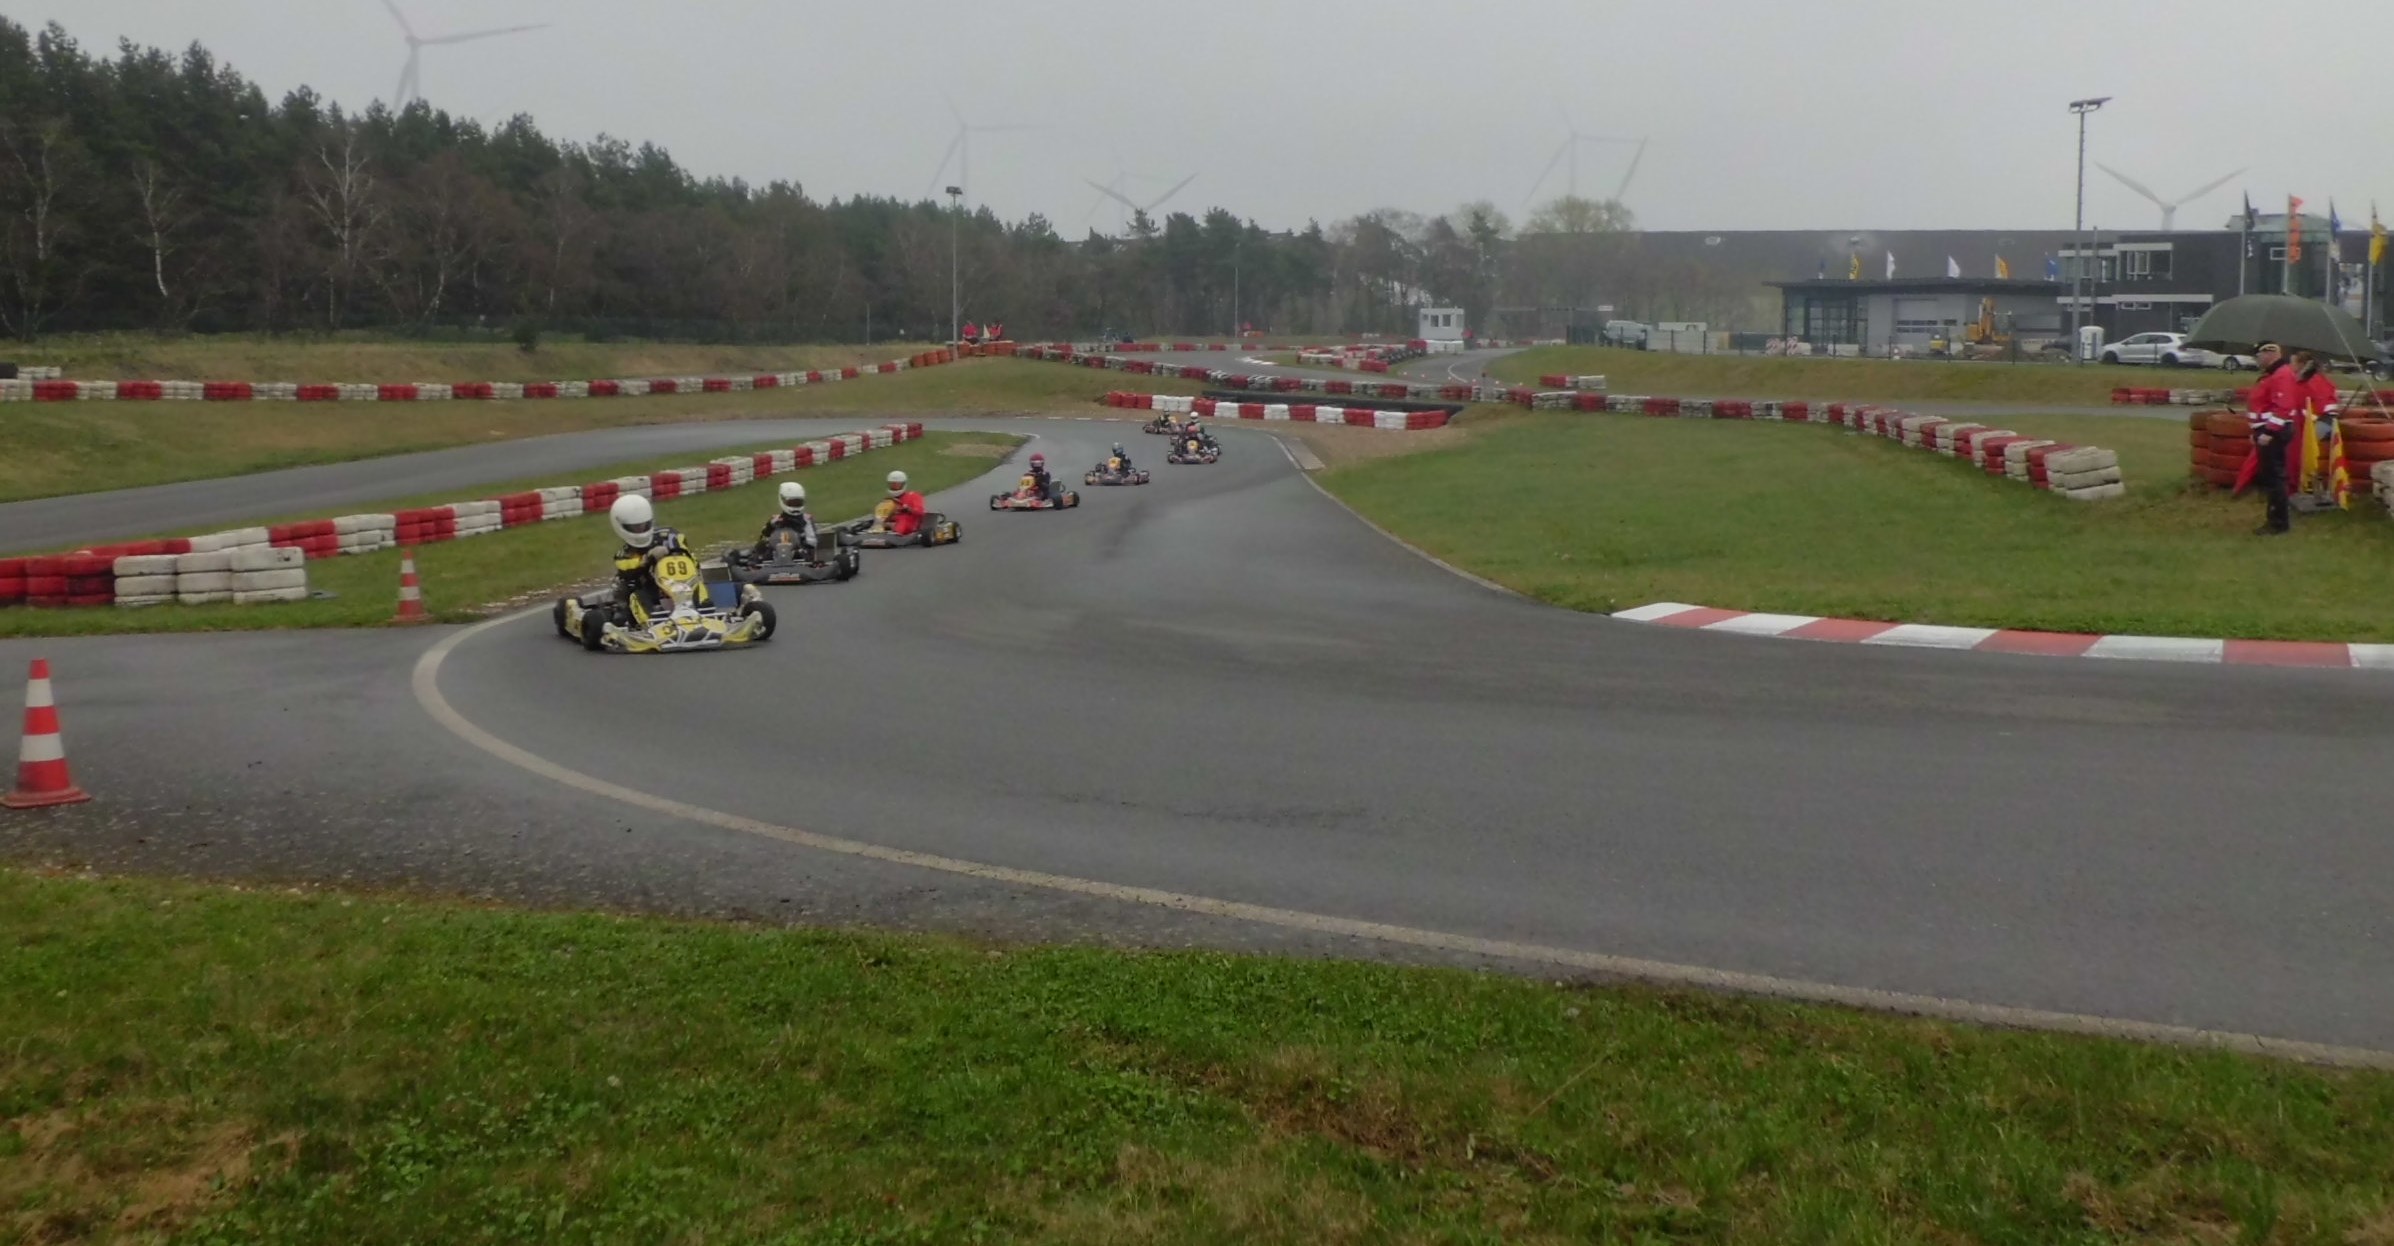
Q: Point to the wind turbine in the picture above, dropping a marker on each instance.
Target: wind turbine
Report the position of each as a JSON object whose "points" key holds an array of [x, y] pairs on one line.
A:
{"points": [[2169, 211], [1148, 207], [411, 75], [1568, 150], [1621, 192], [960, 148]]}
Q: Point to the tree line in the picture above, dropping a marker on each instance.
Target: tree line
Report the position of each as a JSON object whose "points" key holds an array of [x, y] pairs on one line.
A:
{"points": [[162, 191]]}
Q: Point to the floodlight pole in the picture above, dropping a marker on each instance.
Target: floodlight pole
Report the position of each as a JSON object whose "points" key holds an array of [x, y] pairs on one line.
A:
{"points": [[955, 268], [2078, 272], [1237, 246]]}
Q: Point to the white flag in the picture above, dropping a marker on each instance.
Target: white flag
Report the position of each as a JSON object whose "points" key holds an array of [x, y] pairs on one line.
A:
{"points": [[1891, 266], [1953, 267]]}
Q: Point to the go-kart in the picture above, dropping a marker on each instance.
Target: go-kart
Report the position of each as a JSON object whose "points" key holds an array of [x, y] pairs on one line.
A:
{"points": [[1028, 496], [781, 560], [696, 608], [873, 531], [1114, 472], [1193, 450], [1163, 424]]}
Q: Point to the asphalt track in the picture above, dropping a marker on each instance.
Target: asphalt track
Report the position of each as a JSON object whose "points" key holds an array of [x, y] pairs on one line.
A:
{"points": [[1223, 685], [121, 514]]}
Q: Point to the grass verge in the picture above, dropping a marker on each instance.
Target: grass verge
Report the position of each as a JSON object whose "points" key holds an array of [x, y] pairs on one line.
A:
{"points": [[463, 579], [48, 449], [367, 358], [1607, 512], [1856, 380], [233, 1066]]}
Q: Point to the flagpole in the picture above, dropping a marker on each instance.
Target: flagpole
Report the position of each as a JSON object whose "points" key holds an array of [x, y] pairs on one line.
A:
{"points": [[2244, 250]]}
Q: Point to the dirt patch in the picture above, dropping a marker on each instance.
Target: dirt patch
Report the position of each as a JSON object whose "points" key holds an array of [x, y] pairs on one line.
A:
{"points": [[979, 450], [63, 1187]]}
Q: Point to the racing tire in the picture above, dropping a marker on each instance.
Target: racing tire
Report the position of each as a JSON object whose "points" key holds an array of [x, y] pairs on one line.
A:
{"points": [[594, 630], [762, 610], [851, 564], [557, 615]]}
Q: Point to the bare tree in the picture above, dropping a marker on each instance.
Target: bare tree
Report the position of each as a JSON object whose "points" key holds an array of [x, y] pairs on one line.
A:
{"points": [[164, 220], [38, 164], [567, 231], [441, 226], [346, 204]]}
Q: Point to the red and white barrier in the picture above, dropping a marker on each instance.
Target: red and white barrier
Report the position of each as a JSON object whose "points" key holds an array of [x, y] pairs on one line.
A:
{"points": [[258, 565], [1302, 413], [44, 385]]}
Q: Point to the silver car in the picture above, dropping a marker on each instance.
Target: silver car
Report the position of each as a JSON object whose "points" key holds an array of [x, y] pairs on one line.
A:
{"points": [[2169, 350]]}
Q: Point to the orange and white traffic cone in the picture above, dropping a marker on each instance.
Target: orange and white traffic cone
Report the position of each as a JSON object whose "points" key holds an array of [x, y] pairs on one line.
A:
{"points": [[42, 777], [411, 592]]}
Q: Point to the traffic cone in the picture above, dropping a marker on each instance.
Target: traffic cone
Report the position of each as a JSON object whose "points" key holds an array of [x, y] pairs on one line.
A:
{"points": [[411, 592], [42, 777]]}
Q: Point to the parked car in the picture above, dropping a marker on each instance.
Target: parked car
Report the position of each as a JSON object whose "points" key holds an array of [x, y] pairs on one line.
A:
{"points": [[2169, 350]]}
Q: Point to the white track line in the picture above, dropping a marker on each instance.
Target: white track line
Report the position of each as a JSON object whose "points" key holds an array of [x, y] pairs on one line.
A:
{"points": [[426, 684]]}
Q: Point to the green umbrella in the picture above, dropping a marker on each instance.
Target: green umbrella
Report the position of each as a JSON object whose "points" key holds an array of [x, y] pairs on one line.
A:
{"points": [[2246, 321]]}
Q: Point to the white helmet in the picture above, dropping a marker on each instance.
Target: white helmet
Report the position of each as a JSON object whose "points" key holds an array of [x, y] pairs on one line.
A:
{"points": [[793, 497], [634, 519], [897, 482]]}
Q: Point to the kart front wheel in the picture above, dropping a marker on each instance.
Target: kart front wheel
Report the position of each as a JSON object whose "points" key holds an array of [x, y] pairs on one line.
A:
{"points": [[594, 630], [557, 614], [762, 612]]}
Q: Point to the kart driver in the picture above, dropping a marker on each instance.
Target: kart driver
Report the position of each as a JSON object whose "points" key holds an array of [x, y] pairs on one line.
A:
{"points": [[644, 543], [1044, 483], [791, 517], [908, 518], [1122, 457]]}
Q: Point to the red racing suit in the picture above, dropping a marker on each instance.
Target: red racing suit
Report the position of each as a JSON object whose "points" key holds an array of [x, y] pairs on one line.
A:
{"points": [[908, 518]]}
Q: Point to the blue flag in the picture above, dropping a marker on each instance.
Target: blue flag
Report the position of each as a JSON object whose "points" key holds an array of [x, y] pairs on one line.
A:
{"points": [[2052, 268], [2335, 223]]}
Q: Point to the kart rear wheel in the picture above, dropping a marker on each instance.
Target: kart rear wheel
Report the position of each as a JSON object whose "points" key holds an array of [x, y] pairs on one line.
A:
{"points": [[766, 620]]}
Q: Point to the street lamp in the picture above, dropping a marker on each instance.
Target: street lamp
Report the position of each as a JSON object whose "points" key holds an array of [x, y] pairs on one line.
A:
{"points": [[2079, 109], [955, 269]]}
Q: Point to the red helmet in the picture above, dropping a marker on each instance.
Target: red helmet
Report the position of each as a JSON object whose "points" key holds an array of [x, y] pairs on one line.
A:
{"points": [[1038, 460]]}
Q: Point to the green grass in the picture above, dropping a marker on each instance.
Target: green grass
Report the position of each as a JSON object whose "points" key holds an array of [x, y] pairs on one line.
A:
{"points": [[1860, 380], [1600, 512], [231, 1066], [461, 579], [48, 449]]}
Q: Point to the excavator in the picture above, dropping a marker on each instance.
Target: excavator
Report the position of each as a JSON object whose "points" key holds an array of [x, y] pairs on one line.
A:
{"points": [[1980, 340]]}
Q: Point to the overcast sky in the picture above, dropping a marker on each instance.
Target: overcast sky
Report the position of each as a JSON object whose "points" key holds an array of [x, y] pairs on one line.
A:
{"points": [[1825, 114]]}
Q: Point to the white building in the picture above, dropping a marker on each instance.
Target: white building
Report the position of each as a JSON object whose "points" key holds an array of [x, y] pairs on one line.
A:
{"points": [[1441, 324]]}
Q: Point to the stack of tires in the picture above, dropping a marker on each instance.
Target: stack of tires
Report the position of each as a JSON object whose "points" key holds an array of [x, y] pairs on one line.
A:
{"points": [[2367, 443], [2217, 444]]}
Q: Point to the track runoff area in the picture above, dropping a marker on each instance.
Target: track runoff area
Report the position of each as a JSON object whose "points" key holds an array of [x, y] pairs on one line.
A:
{"points": [[1220, 694]]}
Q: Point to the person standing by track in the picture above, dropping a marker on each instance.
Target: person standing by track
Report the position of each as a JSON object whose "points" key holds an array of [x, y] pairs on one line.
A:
{"points": [[2272, 416]]}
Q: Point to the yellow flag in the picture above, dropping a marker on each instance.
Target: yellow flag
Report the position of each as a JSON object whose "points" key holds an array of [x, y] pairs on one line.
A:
{"points": [[2003, 269], [2377, 237], [2340, 473], [1853, 271]]}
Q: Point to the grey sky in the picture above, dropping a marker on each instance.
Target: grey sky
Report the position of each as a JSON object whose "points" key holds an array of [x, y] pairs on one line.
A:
{"points": [[1827, 114]]}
